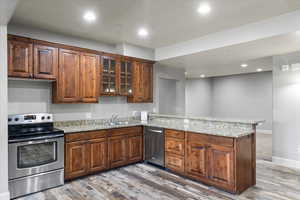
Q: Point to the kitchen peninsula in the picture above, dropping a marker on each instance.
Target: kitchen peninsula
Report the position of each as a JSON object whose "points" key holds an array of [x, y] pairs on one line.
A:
{"points": [[217, 152]]}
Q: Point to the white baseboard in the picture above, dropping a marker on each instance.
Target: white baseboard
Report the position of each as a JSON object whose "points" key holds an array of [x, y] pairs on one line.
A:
{"points": [[286, 162], [4, 196], [264, 131]]}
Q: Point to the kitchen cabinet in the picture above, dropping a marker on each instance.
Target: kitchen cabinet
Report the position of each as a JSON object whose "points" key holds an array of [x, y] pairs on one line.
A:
{"points": [[126, 78], [66, 89], [175, 150], [77, 160], [95, 151], [89, 80], [78, 80], [98, 154], [45, 65], [28, 58], [142, 83], [20, 57], [117, 151], [223, 162], [110, 75], [196, 160], [135, 148]]}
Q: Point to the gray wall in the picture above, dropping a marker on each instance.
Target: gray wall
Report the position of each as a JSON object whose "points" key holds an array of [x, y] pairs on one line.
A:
{"points": [[243, 96], [167, 96], [286, 121], [247, 96], [198, 97], [172, 74]]}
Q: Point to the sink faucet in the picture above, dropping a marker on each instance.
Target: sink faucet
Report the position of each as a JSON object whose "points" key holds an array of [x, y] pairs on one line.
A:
{"points": [[113, 118]]}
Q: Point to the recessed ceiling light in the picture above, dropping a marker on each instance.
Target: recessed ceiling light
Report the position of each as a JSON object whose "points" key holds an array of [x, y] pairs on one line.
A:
{"points": [[143, 32], [185, 73], [204, 9], [244, 65], [202, 76], [89, 16], [259, 69]]}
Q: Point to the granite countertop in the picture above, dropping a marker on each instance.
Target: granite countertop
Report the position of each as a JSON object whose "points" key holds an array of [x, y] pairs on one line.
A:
{"points": [[229, 120], [211, 127]]}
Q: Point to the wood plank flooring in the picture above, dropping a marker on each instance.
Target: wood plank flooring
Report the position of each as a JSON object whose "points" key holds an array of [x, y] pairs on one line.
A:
{"points": [[145, 182]]}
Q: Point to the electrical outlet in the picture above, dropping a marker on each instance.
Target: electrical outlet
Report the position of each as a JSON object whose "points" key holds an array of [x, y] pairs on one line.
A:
{"points": [[88, 115]]}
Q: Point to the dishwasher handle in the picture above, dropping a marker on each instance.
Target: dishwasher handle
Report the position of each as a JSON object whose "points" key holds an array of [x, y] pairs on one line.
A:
{"points": [[155, 131]]}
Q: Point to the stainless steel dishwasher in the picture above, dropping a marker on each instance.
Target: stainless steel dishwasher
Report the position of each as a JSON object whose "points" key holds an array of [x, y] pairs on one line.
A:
{"points": [[154, 145]]}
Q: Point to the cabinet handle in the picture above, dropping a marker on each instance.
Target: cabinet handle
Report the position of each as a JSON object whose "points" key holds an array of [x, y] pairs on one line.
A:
{"points": [[200, 148]]}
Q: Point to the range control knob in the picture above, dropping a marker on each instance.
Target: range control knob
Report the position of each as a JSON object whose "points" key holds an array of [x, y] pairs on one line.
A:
{"points": [[16, 119], [48, 117], [43, 118], [9, 119]]}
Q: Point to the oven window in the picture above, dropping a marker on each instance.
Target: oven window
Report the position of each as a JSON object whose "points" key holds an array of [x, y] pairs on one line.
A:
{"points": [[36, 154]]}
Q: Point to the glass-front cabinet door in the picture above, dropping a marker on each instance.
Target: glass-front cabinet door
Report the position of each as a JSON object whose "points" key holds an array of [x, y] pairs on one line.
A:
{"points": [[109, 76], [126, 78]]}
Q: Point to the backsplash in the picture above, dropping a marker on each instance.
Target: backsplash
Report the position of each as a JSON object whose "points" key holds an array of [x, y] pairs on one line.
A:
{"points": [[36, 97]]}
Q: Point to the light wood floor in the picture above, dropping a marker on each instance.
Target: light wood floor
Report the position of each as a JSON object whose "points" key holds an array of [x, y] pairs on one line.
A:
{"points": [[145, 182]]}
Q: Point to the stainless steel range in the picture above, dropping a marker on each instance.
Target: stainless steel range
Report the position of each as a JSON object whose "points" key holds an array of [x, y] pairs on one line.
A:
{"points": [[35, 154]]}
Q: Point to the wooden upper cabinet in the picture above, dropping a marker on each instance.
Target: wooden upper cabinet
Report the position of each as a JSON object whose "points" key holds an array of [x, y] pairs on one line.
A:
{"points": [[110, 75], [126, 78], [20, 57], [89, 80], [29, 59], [196, 159], [148, 82], [45, 64], [221, 164], [67, 87], [142, 83]]}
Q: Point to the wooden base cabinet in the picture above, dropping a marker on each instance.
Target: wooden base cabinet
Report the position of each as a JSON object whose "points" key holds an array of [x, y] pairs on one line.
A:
{"points": [[226, 163], [95, 151]]}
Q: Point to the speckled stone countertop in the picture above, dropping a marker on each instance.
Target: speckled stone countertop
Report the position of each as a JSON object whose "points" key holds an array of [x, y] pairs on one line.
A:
{"points": [[211, 127]]}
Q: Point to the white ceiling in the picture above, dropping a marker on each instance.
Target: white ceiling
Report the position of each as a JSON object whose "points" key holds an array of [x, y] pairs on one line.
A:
{"points": [[227, 60], [169, 21]]}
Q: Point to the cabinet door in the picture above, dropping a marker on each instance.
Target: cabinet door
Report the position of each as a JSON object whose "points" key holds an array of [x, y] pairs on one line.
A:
{"points": [[147, 82], [196, 159], [76, 160], [117, 151], [98, 154], [221, 164], [135, 148], [126, 78], [175, 146], [109, 76], [69, 74], [89, 79], [45, 62], [175, 162], [20, 59]]}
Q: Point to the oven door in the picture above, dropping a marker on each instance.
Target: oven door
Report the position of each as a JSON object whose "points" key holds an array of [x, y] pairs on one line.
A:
{"points": [[35, 156]]}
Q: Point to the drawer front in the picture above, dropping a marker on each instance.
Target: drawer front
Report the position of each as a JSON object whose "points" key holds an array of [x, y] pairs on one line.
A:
{"points": [[72, 137], [131, 131], [175, 162], [175, 146], [210, 139], [175, 134]]}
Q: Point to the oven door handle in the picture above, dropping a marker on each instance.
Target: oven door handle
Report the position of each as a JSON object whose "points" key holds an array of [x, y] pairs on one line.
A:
{"points": [[43, 138]]}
